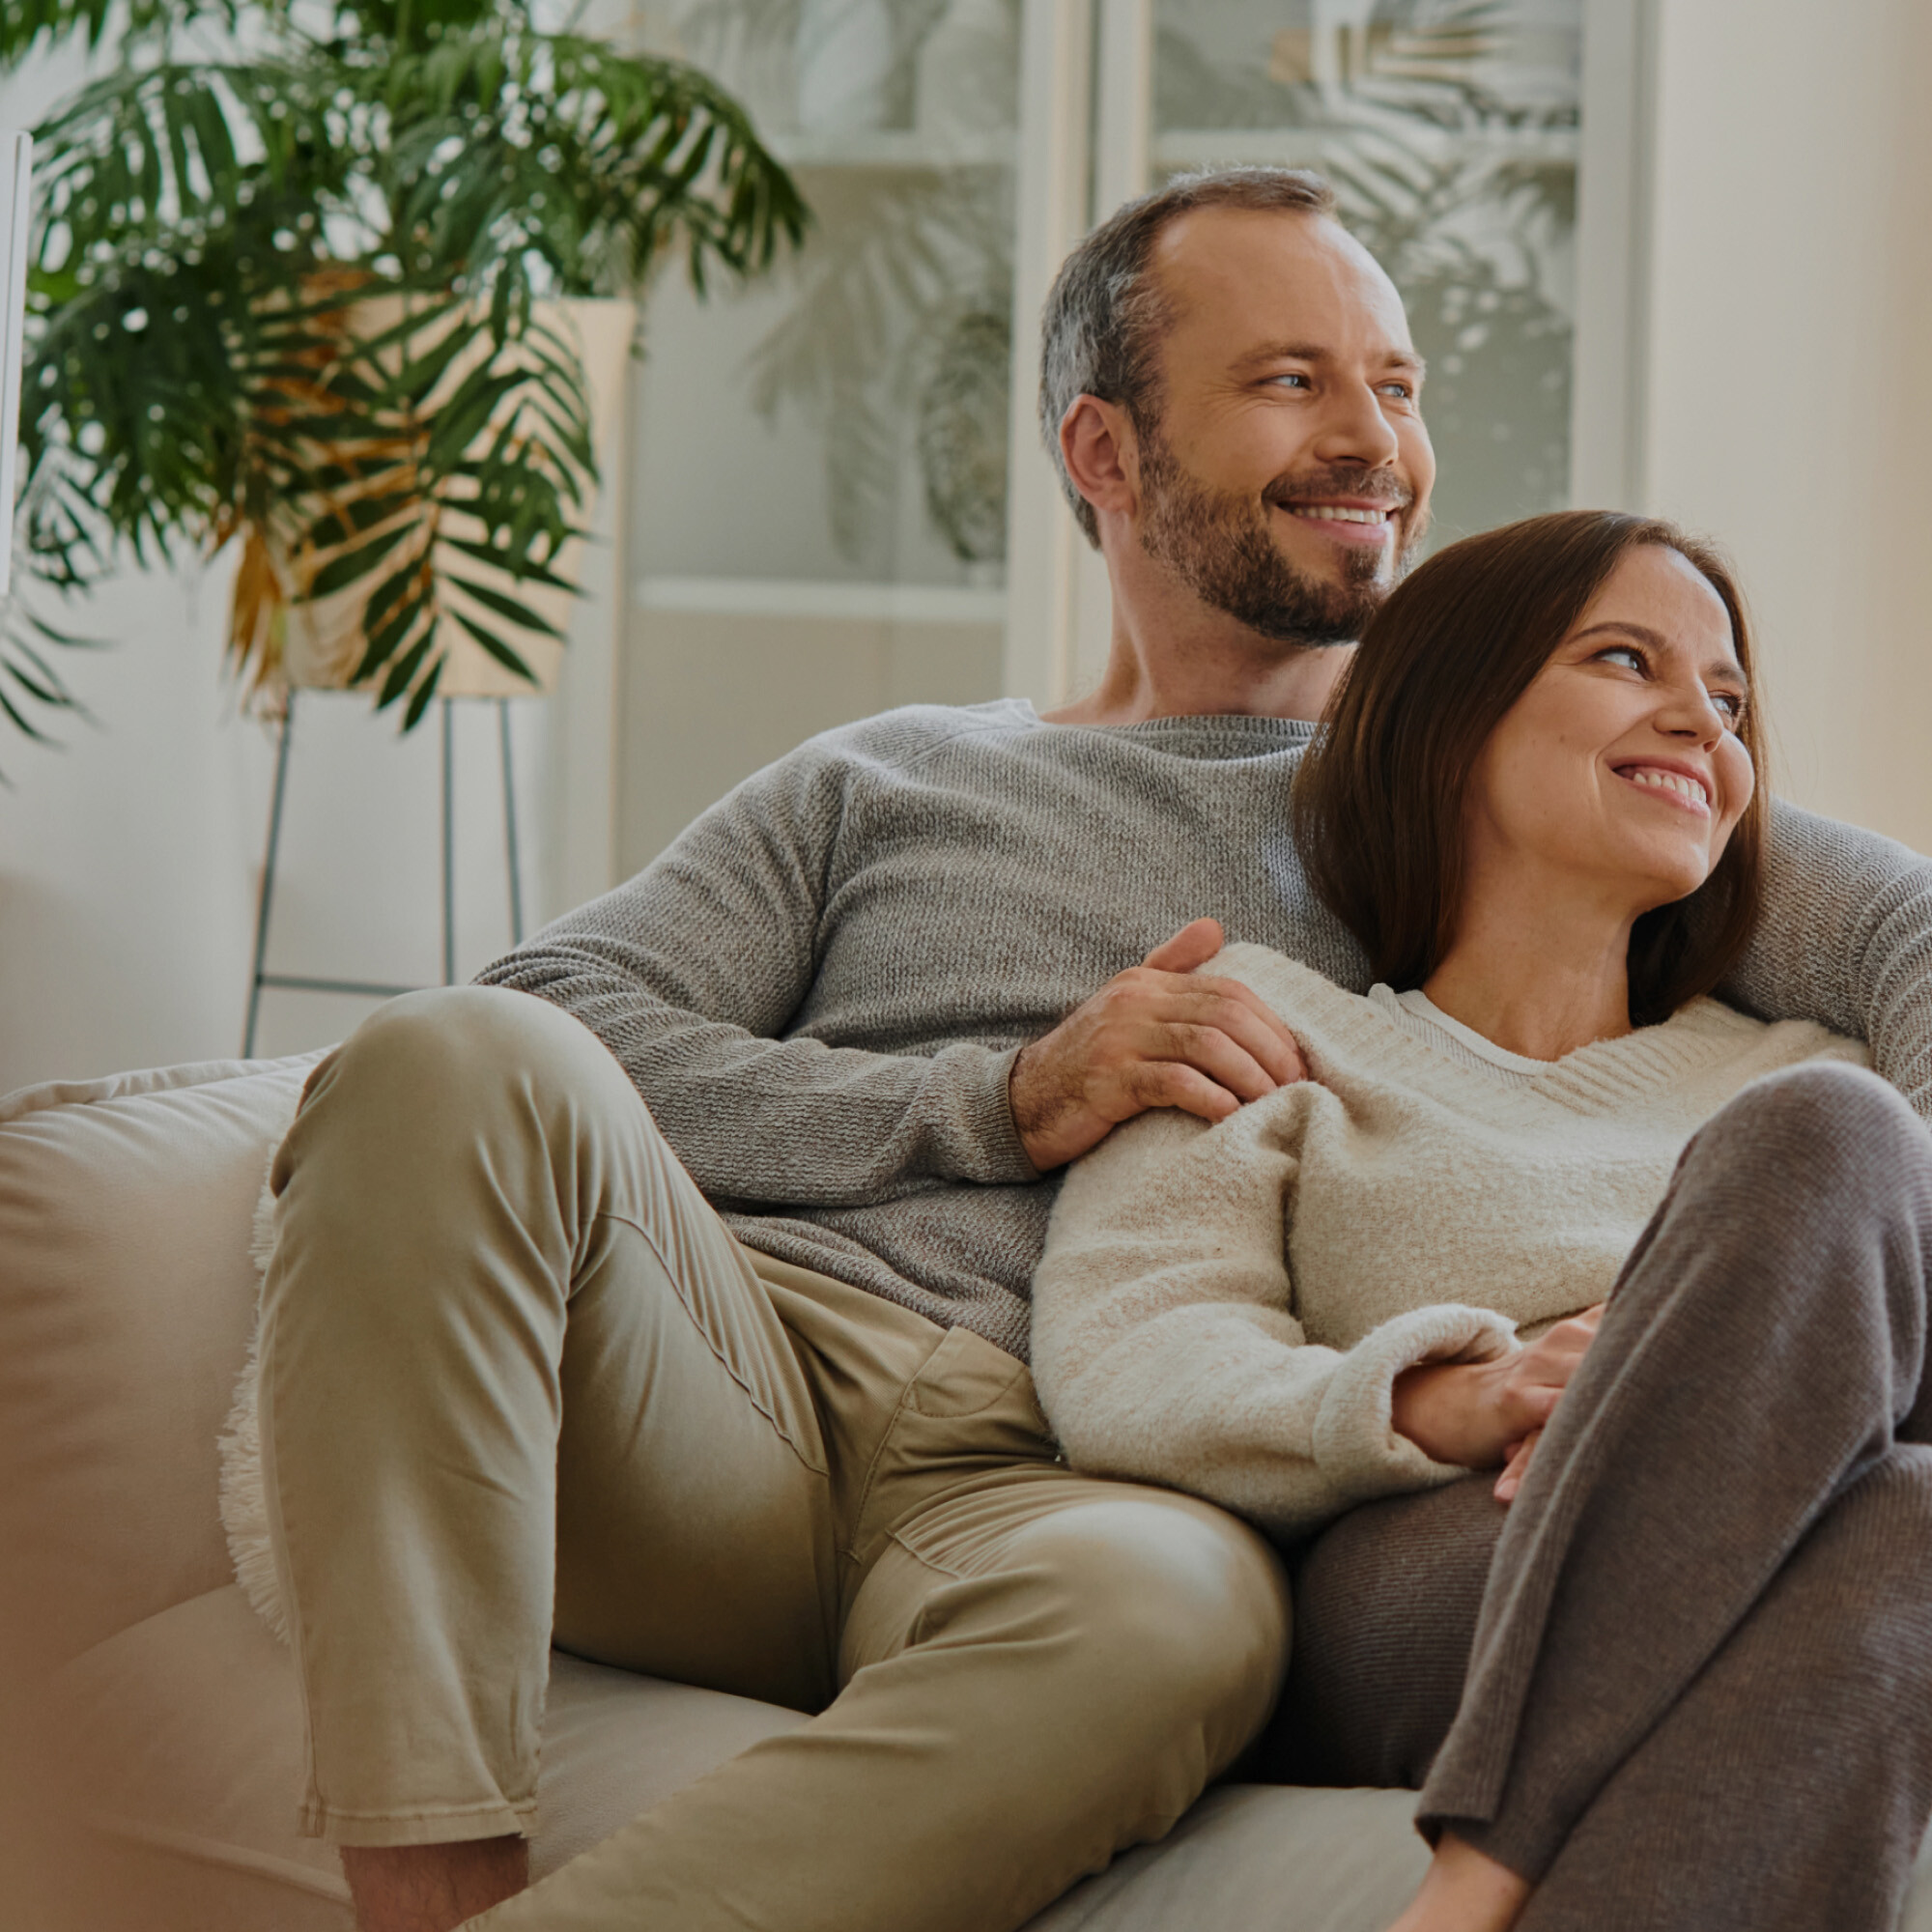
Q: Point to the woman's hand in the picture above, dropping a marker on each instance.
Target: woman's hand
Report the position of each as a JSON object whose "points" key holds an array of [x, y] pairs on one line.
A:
{"points": [[1482, 1414], [1518, 1454]]}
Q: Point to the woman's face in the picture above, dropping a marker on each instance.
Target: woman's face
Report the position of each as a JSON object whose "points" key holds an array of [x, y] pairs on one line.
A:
{"points": [[1619, 765]]}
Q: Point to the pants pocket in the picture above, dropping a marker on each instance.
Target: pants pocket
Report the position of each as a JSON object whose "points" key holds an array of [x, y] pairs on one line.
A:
{"points": [[968, 1415]]}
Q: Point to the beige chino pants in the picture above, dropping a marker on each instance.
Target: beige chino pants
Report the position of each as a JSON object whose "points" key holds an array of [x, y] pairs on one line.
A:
{"points": [[521, 1386]]}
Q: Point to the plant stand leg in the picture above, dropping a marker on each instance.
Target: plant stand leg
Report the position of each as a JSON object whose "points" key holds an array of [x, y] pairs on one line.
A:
{"points": [[448, 843], [255, 980], [510, 823]]}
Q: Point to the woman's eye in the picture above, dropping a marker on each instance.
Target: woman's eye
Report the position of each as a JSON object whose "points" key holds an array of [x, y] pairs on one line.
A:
{"points": [[1730, 704], [1624, 654]]}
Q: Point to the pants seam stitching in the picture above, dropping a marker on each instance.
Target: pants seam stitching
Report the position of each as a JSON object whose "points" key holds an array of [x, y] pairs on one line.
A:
{"points": [[730, 1368]]}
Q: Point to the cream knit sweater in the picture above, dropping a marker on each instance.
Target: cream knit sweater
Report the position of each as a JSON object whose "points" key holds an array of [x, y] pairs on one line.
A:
{"points": [[1224, 1309]]}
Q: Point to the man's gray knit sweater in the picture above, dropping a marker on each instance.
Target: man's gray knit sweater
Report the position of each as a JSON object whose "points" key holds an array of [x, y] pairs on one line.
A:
{"points": [[821, 986]]}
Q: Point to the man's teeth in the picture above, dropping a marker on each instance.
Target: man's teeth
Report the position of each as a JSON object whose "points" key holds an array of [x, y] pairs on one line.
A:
{"points": [[1330, 513], [1671, 781]]}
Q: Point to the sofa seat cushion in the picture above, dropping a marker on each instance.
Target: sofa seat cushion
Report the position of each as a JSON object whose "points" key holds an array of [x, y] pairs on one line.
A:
{"points": [[190, 1730], [191, 1724]]}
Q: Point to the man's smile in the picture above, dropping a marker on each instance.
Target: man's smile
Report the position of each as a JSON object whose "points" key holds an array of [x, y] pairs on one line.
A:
{"points": [[1356, 522]]}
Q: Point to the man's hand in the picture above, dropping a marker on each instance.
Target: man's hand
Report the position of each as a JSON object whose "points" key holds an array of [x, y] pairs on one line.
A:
{"points": [[1154, 1036], [1482, 1413]]}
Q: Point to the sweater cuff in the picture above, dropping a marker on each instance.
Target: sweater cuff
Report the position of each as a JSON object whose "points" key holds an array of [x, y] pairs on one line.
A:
{"points": [[1001, 1157], [1357, 1444]]}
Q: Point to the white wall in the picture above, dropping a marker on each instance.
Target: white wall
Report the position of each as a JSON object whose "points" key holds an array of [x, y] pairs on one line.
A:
{"points": [[131, 857], [710, 695], [124, 862], [1791, 367]]}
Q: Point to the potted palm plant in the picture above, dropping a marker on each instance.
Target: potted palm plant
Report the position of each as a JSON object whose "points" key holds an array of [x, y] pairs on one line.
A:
{"points": [[295, 288]]}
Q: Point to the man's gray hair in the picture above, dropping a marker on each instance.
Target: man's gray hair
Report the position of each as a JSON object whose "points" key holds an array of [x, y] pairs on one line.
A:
{"points": [[1100, 335]]}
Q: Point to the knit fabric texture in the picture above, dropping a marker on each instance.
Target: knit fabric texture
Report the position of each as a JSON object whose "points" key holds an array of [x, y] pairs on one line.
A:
{"points": [[1225, 1308], [819, 988]]}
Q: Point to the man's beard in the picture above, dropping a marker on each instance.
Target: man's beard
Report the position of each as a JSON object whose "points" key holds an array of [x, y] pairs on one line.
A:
{"points": [[1220, 545]]}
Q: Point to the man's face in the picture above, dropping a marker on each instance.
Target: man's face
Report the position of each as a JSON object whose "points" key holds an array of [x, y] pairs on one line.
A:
{"points": [[1285, 477]]}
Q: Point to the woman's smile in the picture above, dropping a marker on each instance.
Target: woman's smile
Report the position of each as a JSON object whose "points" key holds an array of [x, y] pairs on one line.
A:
{"points": [[1671, 783]]}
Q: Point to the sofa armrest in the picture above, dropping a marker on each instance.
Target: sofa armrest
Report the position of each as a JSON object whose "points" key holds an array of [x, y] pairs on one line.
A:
{"points": [[126, 1297]]}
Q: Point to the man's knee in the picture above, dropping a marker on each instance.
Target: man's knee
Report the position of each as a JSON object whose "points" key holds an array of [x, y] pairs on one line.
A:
{"points": [[440, 1114], [457, 1044], [458, 1057]]}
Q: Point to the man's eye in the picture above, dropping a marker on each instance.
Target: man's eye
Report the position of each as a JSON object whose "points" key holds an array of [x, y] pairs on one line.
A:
{"points": [[1401, 389], [1291, 375]]}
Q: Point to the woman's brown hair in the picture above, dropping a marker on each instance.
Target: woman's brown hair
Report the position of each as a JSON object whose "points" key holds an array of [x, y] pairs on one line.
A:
{"points": [[1379, 800]]}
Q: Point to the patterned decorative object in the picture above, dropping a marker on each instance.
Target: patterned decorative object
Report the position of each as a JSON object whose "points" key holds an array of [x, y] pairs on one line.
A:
{"points": [[962, 436]]}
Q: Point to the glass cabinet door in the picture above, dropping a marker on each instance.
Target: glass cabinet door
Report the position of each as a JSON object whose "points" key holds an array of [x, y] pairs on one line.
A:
{"points": [[1451, 130], [819, 493], [1451, 134], [838, 500]]}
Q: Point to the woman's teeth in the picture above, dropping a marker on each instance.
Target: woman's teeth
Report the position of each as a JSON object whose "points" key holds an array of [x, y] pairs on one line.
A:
{"points": [[1671, 781], [1328, 513]]}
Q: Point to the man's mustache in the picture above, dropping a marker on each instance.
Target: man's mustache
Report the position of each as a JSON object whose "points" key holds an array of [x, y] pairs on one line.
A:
{"points": [[1381, 486]]}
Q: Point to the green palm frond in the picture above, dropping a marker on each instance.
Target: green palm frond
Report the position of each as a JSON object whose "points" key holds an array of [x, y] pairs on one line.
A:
{"points": [[29, 26], [289, 297]]}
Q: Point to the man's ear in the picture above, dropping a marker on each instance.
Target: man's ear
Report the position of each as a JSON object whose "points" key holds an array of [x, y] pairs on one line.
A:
{"points": [[1101, 454]]}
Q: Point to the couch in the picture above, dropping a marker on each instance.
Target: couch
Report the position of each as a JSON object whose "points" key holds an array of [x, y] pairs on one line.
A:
{"points": [[169, 1719]]}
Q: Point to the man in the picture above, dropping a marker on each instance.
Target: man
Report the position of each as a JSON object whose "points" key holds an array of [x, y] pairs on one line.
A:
{"points": [[521, 1380]]}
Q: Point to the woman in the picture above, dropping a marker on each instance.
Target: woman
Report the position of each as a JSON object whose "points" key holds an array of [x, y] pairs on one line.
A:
{"points": [[1696, 1691]]}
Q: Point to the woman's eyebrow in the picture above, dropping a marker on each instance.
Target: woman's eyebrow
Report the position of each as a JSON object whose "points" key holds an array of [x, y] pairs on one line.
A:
{"points": [[1658, 642], [1656, 639]]}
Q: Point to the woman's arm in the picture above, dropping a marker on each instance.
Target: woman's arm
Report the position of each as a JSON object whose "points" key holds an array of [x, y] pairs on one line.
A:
{"points": [[1164, 1349], [1478, 1415]]}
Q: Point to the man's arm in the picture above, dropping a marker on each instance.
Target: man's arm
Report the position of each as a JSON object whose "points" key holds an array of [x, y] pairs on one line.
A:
{"points": [[1159, 1034], [1846, 940], [690, 972]]}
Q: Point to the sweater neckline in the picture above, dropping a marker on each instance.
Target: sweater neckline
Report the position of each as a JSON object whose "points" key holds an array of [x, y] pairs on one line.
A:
{"points": [[1216, 734], [1603, 1078], [1415, 1000]]}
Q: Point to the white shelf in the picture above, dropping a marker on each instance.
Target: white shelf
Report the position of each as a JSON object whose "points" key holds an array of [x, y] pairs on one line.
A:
{"points": [[901, 148], [805, 597], [1308, 147]]}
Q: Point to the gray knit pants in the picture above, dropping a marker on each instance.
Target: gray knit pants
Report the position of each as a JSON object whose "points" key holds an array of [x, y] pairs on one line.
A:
{"points": [[1685, 1681]]}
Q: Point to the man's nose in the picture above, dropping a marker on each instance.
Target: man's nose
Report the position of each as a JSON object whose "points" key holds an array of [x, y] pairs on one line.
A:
{"points": [[1354, 429]]}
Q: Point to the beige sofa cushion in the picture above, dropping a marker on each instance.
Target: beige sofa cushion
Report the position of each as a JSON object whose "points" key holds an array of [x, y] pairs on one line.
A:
{"points": [[189, 1733], [192, 1725], [127, 1296], [192, 1721]]}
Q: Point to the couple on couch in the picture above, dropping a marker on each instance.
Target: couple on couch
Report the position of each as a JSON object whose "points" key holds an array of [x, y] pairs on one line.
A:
{"points": [[680, 1313]]}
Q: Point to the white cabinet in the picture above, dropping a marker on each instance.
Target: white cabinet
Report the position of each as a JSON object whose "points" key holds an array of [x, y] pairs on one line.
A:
{"points": [[838, 497]]}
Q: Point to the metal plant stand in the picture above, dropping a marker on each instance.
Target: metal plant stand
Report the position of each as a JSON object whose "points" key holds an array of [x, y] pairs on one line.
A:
{"points": [[370, 989]]}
